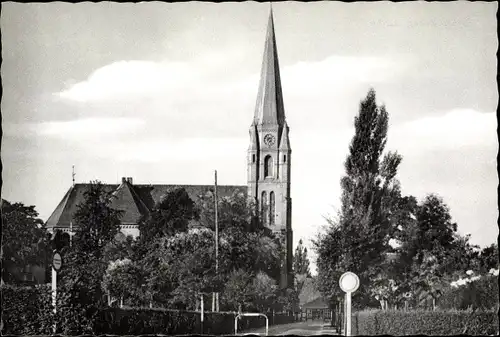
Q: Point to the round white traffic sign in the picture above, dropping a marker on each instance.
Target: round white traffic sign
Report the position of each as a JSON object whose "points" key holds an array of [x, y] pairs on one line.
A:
{"points": [[349, 282], [57, 261]]}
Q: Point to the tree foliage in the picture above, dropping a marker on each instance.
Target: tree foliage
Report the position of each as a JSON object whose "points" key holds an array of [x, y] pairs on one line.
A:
{"points": [[79, 281], [171, 215], [358, 240], [25, 240], [300, 266]]}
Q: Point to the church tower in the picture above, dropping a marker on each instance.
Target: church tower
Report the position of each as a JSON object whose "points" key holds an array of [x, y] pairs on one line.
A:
{"points": [[269, 156]]}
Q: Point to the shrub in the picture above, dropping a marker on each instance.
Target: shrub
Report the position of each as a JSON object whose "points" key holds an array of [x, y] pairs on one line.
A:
{"points": [[425, 323], [27, 310], [143, 321], [480, 294]]}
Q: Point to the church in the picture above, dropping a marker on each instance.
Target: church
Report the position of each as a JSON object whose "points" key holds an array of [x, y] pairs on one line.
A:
{"points": [[268, 169]]}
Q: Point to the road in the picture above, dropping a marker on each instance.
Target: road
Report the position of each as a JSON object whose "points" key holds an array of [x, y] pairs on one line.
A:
{"points": [[299, 329]]}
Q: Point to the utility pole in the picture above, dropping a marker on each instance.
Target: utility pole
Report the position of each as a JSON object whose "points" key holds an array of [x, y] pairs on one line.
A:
{"points": [[70, 233], [216, 243]]}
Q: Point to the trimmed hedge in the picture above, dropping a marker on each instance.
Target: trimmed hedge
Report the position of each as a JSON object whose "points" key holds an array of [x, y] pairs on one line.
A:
{"points": [[27, 310], [397, 322], [139, 321], [145, 321]]}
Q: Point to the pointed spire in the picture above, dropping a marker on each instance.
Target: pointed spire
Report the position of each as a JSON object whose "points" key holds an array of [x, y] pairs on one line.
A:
{"points": [[284, 142], [254, 139], [269, 108]]}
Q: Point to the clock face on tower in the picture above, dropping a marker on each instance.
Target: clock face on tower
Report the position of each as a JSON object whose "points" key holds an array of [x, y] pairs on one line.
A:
{"points": [[269, 139]]}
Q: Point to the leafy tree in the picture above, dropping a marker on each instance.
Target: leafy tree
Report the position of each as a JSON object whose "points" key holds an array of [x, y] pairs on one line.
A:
{"points": [[301, 261], [250, 247], [264, 290], [190, 258], [300, 265], [171, 215], [121, 247], [288, 300], [432, 251], [489, 257], [122, 280], [96, 222], [370, 192], [329, 252], [84, 264], [237, 291], [25, 239], [233, 212]]}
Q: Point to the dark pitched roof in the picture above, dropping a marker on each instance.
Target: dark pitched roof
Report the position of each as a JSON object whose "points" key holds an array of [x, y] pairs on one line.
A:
{"points": [[134, 200], [127, 201], [63, 214]]}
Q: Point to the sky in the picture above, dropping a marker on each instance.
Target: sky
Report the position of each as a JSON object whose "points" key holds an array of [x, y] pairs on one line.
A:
{"points": [[165, 93]]}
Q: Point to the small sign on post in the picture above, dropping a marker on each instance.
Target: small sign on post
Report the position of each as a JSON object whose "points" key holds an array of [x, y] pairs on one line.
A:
{"points": [[57, 261], [349, 283], [56, 266]]}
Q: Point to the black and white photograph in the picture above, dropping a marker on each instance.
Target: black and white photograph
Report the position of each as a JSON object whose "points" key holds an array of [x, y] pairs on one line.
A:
{"points": [[249, 168]]}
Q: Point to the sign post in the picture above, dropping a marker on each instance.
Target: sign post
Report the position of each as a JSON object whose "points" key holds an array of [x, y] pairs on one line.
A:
{"points": [[202, 313], [56, 265], [349, 283]]}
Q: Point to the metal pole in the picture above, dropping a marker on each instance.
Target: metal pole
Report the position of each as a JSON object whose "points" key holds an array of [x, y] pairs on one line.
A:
{"points": [[202, 308], [216, 243], [70, 233], [54, 293], [348, 314], [267, 326]]}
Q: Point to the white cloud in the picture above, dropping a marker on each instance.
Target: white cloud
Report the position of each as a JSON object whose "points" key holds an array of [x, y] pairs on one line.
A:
{"points": [[171, 151], [121, 79], [306, 78], [128, 79], [461, 127], [89, 127]]}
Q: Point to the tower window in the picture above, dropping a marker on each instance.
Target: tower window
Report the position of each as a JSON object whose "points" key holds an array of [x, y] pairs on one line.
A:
{"points": [[268, 166], [271, 208], [284, 158], [263, 207], [253, 158]]}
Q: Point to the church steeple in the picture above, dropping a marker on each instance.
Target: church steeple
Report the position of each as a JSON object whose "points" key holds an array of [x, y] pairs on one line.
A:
{"points": [[269, 108], [269, 156]]}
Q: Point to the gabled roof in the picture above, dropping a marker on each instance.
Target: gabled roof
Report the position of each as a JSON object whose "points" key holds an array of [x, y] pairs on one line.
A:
{"points": [[64, 212], [127, 201], [269, 108], [309, 292], [134, 200]]}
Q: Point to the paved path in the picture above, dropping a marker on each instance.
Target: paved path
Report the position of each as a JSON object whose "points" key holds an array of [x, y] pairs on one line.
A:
{"points": [[299, 329]]}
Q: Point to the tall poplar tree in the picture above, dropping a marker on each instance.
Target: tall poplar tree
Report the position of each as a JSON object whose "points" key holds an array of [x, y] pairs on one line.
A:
{"points": [[301, 261], [358, 239]]}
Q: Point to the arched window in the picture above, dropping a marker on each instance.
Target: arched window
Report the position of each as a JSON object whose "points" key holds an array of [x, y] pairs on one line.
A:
{"points": [[284, 158], [263, 207], [271, 208], [268, 166], [253, 158]]}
